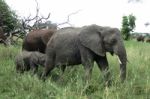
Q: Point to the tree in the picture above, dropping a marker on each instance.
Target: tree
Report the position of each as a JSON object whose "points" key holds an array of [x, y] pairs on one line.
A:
{"points": [[8, 18], [125, 28], [131, 19], [128, 25]]}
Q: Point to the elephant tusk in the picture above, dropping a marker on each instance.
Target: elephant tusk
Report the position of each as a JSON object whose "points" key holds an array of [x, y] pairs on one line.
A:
{"points": [[119, 60]]}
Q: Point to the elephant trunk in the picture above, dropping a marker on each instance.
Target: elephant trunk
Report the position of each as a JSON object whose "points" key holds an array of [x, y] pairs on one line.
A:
{"points": [[122, 58]]}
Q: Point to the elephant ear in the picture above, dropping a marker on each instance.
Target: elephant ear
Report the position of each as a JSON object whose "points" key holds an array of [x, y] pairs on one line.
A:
{"points": [[91, 38]]}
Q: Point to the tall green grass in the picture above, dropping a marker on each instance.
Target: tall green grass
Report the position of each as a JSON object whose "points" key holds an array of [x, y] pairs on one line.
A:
{"points": [[28, 86]]}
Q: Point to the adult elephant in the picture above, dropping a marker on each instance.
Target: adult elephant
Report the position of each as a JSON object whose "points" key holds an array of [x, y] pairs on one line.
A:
{"points": [[36, 40], [140, 38], [73, 46], [147, 40]]}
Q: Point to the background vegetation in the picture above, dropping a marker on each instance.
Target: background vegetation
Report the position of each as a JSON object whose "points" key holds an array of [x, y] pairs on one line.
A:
{"points": [[28, 86], [128, 25], [8, 18]]}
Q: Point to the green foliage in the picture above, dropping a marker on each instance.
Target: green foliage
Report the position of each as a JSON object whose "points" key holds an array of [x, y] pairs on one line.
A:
{"points": [[27, 86], [8, 18], [125, 28], [128, 25], [131, 22]]}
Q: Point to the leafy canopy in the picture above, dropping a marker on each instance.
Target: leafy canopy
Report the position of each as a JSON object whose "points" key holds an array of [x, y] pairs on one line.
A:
{"points": [[128, 25], [8, 18]]}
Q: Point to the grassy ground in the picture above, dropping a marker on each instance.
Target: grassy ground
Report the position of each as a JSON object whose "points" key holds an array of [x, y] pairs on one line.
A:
{"points": [[27, 86]]}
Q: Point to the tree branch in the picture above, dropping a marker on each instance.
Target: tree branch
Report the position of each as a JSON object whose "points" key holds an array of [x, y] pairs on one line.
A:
{"points": [[68, 18]]}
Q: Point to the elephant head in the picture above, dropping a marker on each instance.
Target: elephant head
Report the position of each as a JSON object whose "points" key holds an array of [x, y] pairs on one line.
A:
{"points": [[105, 39]]}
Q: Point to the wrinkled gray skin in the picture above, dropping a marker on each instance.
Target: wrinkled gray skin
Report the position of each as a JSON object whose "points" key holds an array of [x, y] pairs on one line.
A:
{"points": [[29, 60], [73, 46]]}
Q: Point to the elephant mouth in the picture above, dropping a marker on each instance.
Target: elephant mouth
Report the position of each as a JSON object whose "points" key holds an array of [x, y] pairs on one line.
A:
{"points": [[112, 53]]}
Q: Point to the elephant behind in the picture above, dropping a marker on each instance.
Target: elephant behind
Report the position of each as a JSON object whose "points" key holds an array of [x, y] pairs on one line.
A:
{"points": [[29, 60], [73, 46], [37, 40]]}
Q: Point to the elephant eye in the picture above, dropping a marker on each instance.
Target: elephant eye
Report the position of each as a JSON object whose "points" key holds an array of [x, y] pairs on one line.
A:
{"points": [[113, 41]]}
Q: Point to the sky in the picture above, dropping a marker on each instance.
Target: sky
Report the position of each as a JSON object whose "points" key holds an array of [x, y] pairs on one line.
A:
{"points": [[100, 12]]}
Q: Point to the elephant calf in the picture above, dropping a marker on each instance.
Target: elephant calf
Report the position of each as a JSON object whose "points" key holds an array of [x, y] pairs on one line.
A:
{"points": [[29, 60]]}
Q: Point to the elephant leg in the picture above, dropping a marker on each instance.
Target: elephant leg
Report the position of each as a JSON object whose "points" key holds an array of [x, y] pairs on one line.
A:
{"points": [[49, 65], [87, 62], [102, 63], [88, 70], [34, 70], [34, 67], [63, 69]]}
